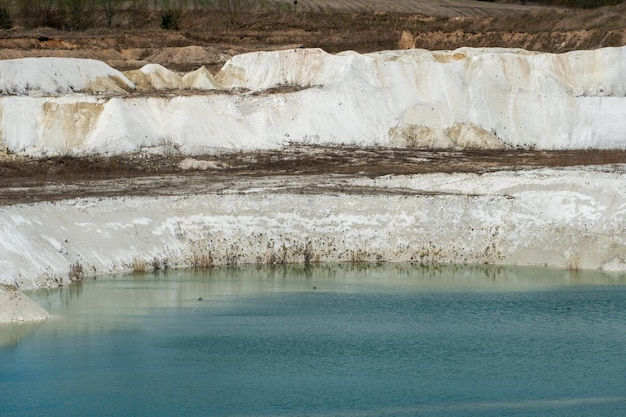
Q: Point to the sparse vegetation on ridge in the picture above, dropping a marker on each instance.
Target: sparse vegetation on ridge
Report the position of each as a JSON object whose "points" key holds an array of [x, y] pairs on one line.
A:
{"points": [[253, 25], [130, 35]]}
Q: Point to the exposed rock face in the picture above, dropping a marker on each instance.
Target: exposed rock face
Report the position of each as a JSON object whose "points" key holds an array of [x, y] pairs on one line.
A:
{"points": [[572, 218], [59, 76], [467, 98], [553, 41], [15, 307]]}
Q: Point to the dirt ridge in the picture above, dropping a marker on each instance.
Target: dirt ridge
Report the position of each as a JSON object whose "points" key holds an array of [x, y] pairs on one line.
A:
{"points": [[211, 37]]}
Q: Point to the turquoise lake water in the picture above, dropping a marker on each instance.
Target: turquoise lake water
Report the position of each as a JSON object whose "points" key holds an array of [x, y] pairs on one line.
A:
{"points": [[392, 340]]}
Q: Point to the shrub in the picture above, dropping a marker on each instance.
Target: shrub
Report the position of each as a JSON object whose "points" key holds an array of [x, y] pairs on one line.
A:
{"points": [[139, 266], [77, 12], [202, 260], [76, 272], [307, 252], [26, 12], [169, 20], [110, 8], [50, 14], [5, 18]]}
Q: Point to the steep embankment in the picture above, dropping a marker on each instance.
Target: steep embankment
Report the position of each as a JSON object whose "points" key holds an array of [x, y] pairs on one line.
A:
{"points": [[483, 98], [572, 218], [465, 98]]}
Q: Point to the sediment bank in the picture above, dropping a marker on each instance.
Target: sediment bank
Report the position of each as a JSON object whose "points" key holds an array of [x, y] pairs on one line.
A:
{"points": [[570, 218]]}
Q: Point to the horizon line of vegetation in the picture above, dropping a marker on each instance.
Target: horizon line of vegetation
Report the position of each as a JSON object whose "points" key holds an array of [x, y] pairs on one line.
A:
{"points": [[78, 15]]}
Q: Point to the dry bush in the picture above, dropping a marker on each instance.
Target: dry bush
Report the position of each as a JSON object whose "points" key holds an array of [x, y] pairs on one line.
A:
{"points": [[231, 258], [307, 252], [277, 257], [6, 22], [202, 260], [139, 265], [76, 272], [573, 263], [110, 8], [358, 256]]}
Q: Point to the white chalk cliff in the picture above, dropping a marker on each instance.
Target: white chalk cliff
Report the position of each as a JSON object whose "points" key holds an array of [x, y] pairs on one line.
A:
{"points": [[489, 98], [483, 98], [572, 218]]}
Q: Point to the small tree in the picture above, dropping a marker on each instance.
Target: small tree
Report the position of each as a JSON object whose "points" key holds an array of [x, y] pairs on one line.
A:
{"points": [[75, 9], [76, 14], [28, 13], [49, 14], [235, 8], [169, 20], [5, 17], [138, 12], [110, 9]]}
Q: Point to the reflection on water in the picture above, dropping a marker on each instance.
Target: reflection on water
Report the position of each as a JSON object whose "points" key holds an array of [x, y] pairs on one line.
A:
{"points": [[11, 334], [127, 295], [325, 340]]}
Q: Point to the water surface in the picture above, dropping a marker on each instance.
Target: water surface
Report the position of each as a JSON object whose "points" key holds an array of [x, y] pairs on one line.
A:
{"points": [[394, 340]]}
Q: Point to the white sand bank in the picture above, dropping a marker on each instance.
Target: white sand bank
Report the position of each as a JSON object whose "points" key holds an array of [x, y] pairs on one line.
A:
{"points": [[572, 218], [468, 98], [15, 307]]}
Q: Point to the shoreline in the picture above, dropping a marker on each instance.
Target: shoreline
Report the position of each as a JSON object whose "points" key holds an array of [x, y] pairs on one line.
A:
{"points": [[246, 199], [564, 217], [569, 218]]}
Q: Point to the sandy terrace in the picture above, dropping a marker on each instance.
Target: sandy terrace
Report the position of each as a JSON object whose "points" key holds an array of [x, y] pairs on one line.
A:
{"points": [[292, 169]]}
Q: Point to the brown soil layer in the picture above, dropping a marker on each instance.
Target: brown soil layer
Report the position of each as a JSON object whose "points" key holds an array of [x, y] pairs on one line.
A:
{"points": [[210, 37], [296, 169]]}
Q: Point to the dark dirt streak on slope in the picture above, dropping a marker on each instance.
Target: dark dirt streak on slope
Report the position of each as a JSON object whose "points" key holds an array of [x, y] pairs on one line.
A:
{"points": [[306, 169]]}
